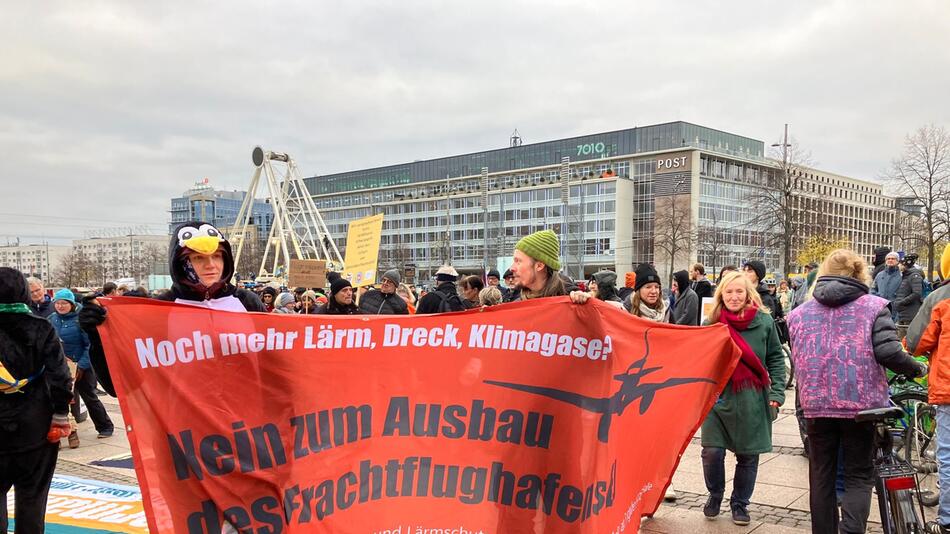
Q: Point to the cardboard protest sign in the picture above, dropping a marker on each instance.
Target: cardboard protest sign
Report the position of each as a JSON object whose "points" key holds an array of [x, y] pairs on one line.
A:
{"points": [[307, 273], [533, 415]]}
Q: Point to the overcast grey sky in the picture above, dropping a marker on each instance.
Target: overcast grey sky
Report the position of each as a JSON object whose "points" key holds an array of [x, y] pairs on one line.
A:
{"points": [[109, 109]]}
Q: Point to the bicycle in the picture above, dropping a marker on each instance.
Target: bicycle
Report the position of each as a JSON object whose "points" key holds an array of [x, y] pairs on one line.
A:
{"points": [[916, 432], [895, 480]]}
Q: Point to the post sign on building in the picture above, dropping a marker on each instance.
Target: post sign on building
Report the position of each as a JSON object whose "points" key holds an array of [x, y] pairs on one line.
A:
{"points": [[362, 250], [307, 273], [678, 162]]}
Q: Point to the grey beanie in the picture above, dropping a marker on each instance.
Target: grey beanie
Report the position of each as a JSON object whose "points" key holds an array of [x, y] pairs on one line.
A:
{"points": [[284, 299], [393, 275]]}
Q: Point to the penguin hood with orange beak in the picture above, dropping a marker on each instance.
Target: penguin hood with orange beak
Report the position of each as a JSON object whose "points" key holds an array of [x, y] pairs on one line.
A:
{"points": [[203, 238]]}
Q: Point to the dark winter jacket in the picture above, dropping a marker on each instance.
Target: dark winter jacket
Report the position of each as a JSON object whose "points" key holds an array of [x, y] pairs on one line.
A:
{"points": [[375, 302], [686, 306], [909, 295], [44, 308], [75, 341], [512, 295], [431, 302], [607, 286], [770, 302], [29, 347], [334, 308], [841, 340], [886, 283]]}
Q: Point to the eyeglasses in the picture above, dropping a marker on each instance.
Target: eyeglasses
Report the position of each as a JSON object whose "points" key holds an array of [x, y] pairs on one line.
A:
{"points": [[387, 281]]}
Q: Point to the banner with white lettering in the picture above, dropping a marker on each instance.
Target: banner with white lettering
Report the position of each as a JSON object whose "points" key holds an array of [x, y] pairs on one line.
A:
{"points": [[526, 417]]}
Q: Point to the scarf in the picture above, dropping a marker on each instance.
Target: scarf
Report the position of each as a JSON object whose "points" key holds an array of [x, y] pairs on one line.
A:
{"points": [[652, 314], [749, 373], [17, 307]]}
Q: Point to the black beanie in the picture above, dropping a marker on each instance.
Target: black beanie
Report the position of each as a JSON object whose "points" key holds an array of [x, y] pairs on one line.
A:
{"points": [[758, 267], [646, 274], [338, 284], [493, 272]]}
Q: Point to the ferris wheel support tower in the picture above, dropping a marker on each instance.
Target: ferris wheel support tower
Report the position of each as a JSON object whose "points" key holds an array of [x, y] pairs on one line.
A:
{"points": [[297, 230]]}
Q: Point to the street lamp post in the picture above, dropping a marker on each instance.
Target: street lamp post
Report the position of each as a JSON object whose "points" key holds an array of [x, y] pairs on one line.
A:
{"points": [[786, 198]]}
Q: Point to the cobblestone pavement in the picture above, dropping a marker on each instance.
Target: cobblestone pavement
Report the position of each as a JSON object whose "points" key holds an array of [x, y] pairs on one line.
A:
{"points": [[779, 504]]}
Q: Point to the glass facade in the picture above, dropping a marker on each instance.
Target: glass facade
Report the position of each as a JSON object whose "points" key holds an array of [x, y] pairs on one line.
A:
{"points": [[583, 148], [220, 208]]}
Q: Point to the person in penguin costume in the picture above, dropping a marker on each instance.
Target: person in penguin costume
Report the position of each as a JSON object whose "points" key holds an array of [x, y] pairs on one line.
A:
{"points": [[201, 265]]}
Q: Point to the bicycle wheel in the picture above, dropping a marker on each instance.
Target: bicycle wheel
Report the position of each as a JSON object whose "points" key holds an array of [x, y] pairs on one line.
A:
{"points": [[904, 514], [907, 400], [920, 448]]}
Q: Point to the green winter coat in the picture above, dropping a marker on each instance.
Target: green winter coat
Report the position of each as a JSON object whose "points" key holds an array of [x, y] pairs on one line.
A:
{"points": [[742, 422]]}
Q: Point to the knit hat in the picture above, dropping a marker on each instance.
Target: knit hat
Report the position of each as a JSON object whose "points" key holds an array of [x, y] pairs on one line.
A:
{"points": [[446, 273], [894, 255], [508, 274], [67, 295], [284, 299], [337, 285], [332, 276], [630, 280], [493, 272], [646, 274], [758, 267], [605, 278], [542, 246], [393, 275]]}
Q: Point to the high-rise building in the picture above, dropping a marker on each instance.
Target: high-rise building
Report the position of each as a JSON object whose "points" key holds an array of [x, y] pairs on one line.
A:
{"points": [[668, 194], [220, 208]]}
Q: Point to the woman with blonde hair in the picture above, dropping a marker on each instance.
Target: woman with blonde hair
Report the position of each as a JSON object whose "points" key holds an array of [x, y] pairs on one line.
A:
{"points": [[741, 420], [842, 338]]}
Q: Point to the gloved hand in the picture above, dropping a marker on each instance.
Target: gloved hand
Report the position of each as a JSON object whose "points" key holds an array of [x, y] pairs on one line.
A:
{"points": [[91, 315], [59, 428], [922, 369]]}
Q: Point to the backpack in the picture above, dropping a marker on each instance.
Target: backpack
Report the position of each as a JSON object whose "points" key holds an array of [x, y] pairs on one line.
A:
{"points": [[927, 288], [446, 304]]}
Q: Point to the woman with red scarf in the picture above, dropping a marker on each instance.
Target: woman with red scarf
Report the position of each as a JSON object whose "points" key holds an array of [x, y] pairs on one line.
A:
{"points": [[741, 420]]}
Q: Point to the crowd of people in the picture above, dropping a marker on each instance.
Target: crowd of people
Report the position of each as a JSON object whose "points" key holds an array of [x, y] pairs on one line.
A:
{"points": [[839, 321]]}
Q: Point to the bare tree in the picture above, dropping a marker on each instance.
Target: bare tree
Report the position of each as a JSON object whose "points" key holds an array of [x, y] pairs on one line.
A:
{"points": [[773, 201], [74, 270], [673, 229], [923, 173], [149, 255], [711, 239]]}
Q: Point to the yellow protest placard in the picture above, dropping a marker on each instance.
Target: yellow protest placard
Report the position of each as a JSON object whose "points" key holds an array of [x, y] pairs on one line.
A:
{"points": [[362, 250]]}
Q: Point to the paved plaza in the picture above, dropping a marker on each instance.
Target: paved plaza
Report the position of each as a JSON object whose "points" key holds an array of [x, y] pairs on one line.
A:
{"points": [[779, 505]]}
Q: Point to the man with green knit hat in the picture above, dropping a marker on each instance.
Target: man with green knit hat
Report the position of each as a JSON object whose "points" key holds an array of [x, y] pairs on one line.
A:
{"points": [[536, 265]]}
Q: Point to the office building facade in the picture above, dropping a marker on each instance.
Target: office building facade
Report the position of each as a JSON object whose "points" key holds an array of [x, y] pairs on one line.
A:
{"points": [[204, 203], [38, 260], [667, 194]]}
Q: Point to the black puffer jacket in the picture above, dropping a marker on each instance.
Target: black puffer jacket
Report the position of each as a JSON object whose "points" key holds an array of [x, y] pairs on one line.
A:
{"points": [[909, 295], [770, 302], [375, 302], [835, 291], [29, 347]]}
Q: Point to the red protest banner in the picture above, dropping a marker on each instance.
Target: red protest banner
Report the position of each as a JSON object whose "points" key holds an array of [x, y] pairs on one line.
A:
{"points": [[528, 417]]}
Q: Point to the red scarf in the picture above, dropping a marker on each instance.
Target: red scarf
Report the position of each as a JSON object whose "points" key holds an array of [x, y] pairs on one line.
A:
{"points": [[749, 373]]}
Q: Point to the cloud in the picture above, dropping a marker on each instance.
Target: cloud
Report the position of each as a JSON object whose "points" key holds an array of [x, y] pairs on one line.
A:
{"points": [[112, 108]]}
